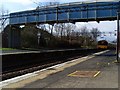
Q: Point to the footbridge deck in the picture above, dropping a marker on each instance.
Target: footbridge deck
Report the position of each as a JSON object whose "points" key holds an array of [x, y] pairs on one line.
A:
{"points": [[72, 12]]}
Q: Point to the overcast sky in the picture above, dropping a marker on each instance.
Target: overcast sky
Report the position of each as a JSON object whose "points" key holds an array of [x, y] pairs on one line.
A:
{"points": [[21, 5]]}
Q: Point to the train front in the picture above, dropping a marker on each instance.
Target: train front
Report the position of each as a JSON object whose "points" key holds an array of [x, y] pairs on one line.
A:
{"points": [[102, 44]]}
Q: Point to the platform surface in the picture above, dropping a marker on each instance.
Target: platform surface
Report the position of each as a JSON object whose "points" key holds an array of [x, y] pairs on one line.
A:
{"points": [[61, 77], [21, 51]]}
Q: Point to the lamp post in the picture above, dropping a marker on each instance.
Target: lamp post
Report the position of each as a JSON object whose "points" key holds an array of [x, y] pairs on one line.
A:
{"points": [[118, 35]]}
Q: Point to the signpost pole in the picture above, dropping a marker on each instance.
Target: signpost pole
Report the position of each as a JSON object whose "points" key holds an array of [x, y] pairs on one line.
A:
{"points": [[118, 35]]}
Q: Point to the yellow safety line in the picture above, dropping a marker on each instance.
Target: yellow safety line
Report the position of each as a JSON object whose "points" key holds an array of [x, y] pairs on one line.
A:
{"points": [[72, 74], [97, 74]]}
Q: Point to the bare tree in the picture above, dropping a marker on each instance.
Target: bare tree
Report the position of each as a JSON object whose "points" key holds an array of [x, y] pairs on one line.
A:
{"points": [[95, 33], [57, 28], [1, 16], [86, 36], [3, 13], [69, 28], [42, 26], [84, 31], [60, 30], [2, 22], [51, 27]]}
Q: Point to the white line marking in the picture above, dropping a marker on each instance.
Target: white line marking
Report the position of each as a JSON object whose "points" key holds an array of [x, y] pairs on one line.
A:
{"points": [[35, 51], [100, 52], [16, 79], [20, 52]]}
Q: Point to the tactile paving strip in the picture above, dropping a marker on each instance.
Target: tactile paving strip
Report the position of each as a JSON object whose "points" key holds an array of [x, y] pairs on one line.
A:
{"points": [[84, 73]]}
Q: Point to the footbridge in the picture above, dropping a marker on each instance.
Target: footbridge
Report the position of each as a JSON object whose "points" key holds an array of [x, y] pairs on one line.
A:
{"points": [[71, 12]]}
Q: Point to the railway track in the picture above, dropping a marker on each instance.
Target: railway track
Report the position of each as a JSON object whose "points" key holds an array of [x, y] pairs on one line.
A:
{"points": [[42, 60]]}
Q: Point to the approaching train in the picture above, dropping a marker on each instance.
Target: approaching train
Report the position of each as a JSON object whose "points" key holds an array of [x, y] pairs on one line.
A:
{"points": [[102, 44]]}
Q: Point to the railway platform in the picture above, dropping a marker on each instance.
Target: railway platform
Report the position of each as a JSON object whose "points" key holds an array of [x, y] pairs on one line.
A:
{"points": [[24, 51], [98, 70]]}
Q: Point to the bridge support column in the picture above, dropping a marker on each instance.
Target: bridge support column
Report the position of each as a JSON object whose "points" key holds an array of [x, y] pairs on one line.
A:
{"points": [[14, 40]]}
